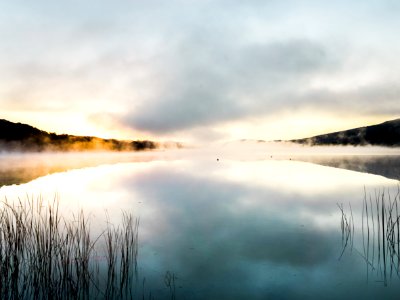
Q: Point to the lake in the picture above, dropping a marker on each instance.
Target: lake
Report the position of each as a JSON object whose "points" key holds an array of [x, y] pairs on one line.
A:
{"points": [[259, 223]]}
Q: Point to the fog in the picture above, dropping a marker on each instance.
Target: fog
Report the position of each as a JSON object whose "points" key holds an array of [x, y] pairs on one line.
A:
{"points": [[17, 168]]}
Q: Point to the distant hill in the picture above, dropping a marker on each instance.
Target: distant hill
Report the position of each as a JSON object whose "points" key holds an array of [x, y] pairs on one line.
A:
{"points": [[384, 134], [23, 137]]}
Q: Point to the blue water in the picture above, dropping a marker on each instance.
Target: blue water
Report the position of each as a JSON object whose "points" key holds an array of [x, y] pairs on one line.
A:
{"points": [[260, 228]]}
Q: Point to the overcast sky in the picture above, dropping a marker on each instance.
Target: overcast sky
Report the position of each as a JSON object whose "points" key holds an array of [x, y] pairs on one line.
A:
{"points": [[199, 71]]}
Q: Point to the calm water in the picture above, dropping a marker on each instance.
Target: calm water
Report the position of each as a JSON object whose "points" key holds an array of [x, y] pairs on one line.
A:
{"points": [[243, 227]]}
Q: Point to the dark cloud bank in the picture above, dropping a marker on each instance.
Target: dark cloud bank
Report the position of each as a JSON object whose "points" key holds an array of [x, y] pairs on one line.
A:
{"points": [[213, 83]]}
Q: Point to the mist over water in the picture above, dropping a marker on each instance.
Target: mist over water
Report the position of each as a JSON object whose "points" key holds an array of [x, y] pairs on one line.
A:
{"points": [[247, 220]]}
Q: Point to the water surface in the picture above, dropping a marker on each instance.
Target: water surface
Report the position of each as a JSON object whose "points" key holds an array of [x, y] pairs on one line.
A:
{"points": [[240, 227]]}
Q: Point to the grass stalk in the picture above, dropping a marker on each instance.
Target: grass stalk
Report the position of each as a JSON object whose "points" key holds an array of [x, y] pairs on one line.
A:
{"points": [[45, 256]]}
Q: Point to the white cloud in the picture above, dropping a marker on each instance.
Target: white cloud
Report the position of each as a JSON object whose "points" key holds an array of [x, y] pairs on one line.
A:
{"points": [[172, 67]]}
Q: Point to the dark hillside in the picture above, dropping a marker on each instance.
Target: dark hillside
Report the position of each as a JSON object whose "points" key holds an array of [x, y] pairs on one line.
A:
{"points": [[23, 137], [16, 131], [384, 134]]}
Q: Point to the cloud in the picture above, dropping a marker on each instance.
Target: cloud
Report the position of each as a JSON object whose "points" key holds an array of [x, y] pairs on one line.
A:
{"points": [[185, 66], [214, 82], [376, 98]]}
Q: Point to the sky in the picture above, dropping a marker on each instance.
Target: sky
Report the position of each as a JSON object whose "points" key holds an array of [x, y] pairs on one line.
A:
{"points": [[199, 71]]}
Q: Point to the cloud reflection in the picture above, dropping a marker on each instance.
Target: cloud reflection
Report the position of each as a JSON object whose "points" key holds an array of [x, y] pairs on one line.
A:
{"points": [[209, 237], [226, 237]]}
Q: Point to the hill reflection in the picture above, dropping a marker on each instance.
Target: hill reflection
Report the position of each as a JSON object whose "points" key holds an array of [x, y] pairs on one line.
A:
{"points": [[383, 165], [23, 168]]}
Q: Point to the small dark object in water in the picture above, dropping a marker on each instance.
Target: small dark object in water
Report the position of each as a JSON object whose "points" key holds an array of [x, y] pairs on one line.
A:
{"points": [[217, 159]]}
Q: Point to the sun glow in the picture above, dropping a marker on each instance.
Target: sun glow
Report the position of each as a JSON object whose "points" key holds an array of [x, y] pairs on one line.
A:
{"points": [[287, 125]]}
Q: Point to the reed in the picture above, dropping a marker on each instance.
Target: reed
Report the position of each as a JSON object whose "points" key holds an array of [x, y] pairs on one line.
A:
{"points": [[380, 230], [45, 256]]}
